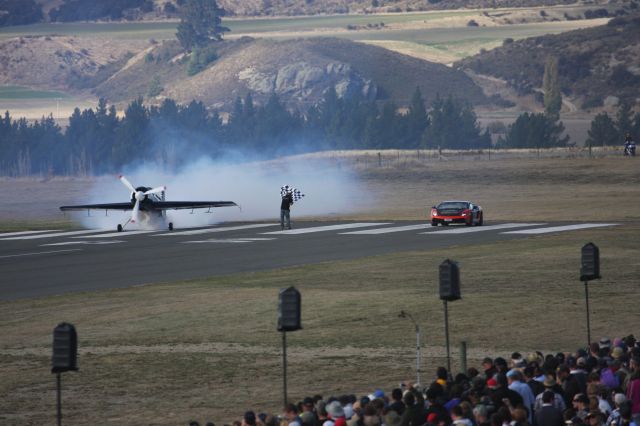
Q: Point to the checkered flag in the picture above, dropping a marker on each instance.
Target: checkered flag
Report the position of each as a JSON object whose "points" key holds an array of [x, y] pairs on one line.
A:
{"points": [[295, 193]]}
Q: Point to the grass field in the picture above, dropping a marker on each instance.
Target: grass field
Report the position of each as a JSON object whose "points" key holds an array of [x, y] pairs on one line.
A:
{"points": [[208, 349]]}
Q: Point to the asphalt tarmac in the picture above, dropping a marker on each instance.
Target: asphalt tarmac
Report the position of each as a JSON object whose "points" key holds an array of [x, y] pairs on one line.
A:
{"points": [[50, 263]]}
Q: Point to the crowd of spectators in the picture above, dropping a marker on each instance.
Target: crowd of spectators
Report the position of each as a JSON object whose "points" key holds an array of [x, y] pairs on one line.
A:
{"points": [[595, 387]]}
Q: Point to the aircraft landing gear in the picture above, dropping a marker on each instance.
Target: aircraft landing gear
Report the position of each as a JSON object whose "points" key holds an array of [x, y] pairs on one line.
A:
{"points": [[170, 226], [121, 227]]}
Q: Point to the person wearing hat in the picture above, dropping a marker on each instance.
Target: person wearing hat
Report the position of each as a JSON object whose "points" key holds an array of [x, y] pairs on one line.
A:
{"points": [[548, 414], [580, 403], [550, 384], [594, 418], [308, 416]]}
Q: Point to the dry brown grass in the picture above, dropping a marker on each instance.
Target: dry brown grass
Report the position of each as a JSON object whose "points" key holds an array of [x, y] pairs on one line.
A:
{"points": [[208, 349]]}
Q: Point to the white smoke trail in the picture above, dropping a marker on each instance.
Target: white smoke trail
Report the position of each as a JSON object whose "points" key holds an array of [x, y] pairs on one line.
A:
{"points": [[255, 186]]}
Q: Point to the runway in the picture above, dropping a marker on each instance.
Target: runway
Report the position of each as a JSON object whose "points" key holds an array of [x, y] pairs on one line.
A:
{"points": [[43, 263]]}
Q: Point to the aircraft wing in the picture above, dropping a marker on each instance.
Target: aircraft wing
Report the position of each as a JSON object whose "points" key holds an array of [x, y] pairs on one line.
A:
{"points": [[175, 205], [106, 206]]}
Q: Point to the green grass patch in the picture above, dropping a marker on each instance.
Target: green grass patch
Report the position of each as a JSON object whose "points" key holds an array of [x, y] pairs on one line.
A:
{"points": [[166, 353], [21, 92]]}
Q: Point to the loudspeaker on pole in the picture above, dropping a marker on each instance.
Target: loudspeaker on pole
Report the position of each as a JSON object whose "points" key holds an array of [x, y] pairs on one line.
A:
{"points": [[449, 280], [65, 348], [590, 262], [289, 310]]}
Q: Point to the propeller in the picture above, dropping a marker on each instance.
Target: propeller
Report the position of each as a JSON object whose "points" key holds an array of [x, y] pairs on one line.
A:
{"points": [[139, 196]]}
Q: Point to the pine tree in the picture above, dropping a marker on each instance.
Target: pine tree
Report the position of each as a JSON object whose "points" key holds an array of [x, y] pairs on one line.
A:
{"points": [[603, 131], [200, 24], [551, 87], [623, 121]]}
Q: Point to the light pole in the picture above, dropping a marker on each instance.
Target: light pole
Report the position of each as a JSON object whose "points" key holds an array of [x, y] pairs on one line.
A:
{"points": [[404, 314]]}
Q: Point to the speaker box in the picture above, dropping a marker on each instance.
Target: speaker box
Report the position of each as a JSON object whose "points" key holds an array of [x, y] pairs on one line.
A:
{"points": [[65, 348], [289, 310], [590, 264], [449, 281]]}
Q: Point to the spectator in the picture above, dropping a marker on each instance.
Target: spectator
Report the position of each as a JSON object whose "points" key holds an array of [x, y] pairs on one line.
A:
{"points": [[308, 416], [548, 414], [489, 368], [481, 415], [614, 418], [290, 414], [633, 389], [568, 382], [397, 405], [581, 406], [580, 373], [458, 417], [529, 375], [249, 419], [516, 384], [594, 418], [413, 414], [551, 384]]}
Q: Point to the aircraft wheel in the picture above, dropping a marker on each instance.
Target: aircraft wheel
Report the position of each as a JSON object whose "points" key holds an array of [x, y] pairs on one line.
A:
{"points": [[119, 228], [170, 226]]}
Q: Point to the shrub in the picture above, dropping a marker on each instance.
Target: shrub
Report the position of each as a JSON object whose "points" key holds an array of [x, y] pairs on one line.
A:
{"points": [[201, 58], [592, 102]]}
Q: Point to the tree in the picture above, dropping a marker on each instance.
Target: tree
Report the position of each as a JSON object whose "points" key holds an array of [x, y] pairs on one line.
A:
{"points": [[534, 131], [155, 87], [551, 87], [416, 120], [200, 24], [603, 131], [623, 121], [454, 125], [19, 12]]}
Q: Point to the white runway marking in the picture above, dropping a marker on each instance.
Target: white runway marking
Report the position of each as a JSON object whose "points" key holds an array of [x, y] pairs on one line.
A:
{"points": [[69, 243], [228, 240], [388, 230], [57, 234], [40, 252], [467, 230], [116, 234], [14, 234], [324, 228], [560, 228], [221, 229]]}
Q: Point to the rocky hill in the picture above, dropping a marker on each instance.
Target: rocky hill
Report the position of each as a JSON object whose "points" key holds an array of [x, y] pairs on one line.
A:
{"points": [[299, 71], [597, 67]]}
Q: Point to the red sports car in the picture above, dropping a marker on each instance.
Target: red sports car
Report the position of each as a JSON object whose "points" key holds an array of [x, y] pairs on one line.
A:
{"points": [[457, 212]]}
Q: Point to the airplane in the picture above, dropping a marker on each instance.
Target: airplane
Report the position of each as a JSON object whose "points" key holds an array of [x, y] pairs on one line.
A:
{"points": [[150, 201]]}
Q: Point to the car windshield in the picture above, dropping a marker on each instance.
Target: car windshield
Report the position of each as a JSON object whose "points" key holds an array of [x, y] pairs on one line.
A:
{"points": [[457, 205]]}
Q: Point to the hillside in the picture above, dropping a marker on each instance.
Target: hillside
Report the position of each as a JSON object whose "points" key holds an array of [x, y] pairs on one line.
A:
{"points": [[298, 71], [317, 7], [599, 66], [61, 62]]}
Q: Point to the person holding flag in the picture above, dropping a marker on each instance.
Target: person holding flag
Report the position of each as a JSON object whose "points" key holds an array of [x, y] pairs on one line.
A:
{"points": [[289, 195]]}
